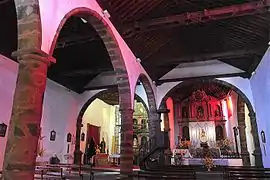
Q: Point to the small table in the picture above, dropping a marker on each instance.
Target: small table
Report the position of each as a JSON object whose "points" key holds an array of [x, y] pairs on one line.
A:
{"points": [[115, 159]]}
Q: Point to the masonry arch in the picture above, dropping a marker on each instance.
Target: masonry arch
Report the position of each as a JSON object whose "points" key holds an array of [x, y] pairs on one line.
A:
{"points": [[154, 122], [119, 67], [112, 92], [242, 98]]}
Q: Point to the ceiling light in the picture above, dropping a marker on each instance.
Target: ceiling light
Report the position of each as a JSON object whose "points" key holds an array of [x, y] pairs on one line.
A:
{"points": [[106, 13], [138, 60], [83, 20]]}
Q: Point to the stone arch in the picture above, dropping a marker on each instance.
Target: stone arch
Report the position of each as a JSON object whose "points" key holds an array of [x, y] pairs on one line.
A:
{"points": [[77, 153], [257, 152], [154, 122], [29, 26], [112, 46]]}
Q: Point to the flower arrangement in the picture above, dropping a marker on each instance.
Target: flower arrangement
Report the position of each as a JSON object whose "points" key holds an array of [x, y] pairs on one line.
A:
{"points": [[184, 144], [225, 145], [208, 162], [40, 149]]}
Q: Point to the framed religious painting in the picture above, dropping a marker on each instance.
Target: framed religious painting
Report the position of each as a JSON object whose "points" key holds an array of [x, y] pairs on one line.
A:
{"points": [[3, 130]]}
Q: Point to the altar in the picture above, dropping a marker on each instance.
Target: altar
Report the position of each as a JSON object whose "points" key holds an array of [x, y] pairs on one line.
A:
{"points": [[217, 162]]}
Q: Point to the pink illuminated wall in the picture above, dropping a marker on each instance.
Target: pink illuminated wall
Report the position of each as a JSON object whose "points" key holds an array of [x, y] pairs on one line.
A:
{"points": [[52, 14], [60, 111], [172, 122], [8, 77]]}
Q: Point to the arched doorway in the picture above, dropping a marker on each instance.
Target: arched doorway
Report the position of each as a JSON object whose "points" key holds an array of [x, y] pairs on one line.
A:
{"points": [[241, 103], [112, 136], [117, 63]]}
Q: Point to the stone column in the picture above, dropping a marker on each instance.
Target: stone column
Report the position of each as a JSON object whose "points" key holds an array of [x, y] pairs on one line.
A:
{"points": [[126, 159], [77, 152], [254, 131], [24, 128], [242, 131], [154, 127]]}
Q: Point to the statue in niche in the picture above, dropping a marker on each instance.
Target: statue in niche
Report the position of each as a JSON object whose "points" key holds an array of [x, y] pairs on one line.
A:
{"points": [[103, 146], [135, 141], [200, 111], [203, 137], [184, 112], [217, 112]]}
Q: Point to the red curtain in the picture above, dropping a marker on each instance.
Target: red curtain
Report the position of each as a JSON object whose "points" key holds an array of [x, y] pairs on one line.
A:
{"points": [[93, 132], [229, 106]]}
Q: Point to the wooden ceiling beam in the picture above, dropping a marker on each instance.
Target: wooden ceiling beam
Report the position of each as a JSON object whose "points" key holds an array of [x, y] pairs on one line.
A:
{"points": [[199, 16], [207, 56]]}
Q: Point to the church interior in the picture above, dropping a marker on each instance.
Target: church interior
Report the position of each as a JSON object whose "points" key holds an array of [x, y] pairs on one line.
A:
{"points": [[128, 89]]}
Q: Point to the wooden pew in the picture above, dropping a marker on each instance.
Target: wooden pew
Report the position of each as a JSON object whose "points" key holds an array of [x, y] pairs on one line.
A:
{"points": [[69, 170], [246, 173], [42, 172], [163, 176]]}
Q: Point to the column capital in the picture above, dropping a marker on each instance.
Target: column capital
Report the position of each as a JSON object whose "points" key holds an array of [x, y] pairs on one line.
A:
{"points": [[252, 115], [163, 110], [241, 126], [35, 53], [130, 110]]}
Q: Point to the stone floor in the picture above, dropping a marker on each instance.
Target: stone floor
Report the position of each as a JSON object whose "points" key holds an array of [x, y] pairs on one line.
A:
{"points": [[200, 176]]}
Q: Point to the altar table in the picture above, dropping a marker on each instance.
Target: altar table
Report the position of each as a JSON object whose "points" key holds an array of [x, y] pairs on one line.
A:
{"points": [[217, 162]]}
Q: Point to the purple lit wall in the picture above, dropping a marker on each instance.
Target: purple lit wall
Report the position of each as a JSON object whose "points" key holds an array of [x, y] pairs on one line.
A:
{"points": [[260, 85], [53, 13]]}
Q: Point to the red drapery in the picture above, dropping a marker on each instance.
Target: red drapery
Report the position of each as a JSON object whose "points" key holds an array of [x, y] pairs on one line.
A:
{"points": [[229, 106], [93, 132]]}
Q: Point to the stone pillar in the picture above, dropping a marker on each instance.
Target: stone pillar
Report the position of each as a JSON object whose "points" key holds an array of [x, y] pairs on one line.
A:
{"points": [[242, 131], [24, 128], [257, 152], [77, 152], [126, 159], [154, 127]]}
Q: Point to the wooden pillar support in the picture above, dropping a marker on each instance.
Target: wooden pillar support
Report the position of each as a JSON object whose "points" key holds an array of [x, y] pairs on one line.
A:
{"points": [[24, 128]]}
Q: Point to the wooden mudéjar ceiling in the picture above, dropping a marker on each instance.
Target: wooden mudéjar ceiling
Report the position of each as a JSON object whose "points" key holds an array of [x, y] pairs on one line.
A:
{"points": [[162, 33]]}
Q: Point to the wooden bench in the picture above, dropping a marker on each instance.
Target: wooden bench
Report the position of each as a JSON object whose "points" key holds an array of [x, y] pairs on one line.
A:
{"points": [[44, 173], [163, 176], [69, 173], [246, 173]]}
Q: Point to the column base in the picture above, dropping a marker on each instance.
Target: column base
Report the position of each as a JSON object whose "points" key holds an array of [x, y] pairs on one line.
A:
{"points": [[124, 177], [78, 157], [246, 158]]}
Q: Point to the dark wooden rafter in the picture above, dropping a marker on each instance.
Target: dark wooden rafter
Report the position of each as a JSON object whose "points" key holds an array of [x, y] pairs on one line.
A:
{"points": [[198, 17], [209, 56]]}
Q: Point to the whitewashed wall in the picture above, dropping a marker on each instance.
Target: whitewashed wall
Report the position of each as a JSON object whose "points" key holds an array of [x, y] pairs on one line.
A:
{"points": [[260, 85]]}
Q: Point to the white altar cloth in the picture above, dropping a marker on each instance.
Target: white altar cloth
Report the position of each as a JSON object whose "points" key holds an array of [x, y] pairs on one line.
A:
{"points": [[217, 162]]}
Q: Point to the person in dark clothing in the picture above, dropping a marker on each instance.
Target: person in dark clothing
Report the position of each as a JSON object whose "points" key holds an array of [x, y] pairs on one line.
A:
{"points": [[91, 150], [54, 160], [103, 146]]}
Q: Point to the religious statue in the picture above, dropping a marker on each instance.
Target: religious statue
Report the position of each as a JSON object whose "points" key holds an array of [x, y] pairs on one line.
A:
{"points": [[200, 111], [103, 146], [203, 137]]}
